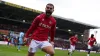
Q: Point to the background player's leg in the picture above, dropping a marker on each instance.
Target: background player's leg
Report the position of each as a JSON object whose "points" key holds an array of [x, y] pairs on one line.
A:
{"points": [[19, 47], [71, 52], [89, 49], [88, 52], [72, 48]]}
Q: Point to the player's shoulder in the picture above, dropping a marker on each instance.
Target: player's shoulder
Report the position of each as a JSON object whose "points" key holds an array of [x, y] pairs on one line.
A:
{"points": [[40, 16], [89, 38], [76, 37], [94, 38], [53, 19]]}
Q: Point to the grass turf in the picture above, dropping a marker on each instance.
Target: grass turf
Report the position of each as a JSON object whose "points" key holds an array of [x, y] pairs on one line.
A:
{"points": [[12, 51]]}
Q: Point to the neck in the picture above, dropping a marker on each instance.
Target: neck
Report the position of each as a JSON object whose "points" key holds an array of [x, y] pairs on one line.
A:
{"points": [[47, 15], [91, 37]]}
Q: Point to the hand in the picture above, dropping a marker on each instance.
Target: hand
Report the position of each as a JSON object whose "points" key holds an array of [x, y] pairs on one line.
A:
{"points": [[70, 42], [95, 42], [52, 43], [25, 39]]}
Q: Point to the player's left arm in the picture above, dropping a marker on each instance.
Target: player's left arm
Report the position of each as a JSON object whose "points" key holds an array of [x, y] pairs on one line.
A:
{"points": [[95, 41], [77, 40], [70, 39], [52, 33]]}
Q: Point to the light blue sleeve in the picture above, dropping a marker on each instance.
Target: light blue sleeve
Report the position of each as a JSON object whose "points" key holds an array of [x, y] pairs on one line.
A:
{"points": [[21, 34]]}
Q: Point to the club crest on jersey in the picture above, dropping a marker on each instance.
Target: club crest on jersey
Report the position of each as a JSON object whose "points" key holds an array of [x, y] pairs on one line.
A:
{"points": [[50, 22], [42, 19]]}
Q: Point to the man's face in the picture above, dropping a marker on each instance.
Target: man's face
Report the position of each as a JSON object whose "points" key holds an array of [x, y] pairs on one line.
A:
{"points": [[76, 35], [49, 10], [92, 35]]}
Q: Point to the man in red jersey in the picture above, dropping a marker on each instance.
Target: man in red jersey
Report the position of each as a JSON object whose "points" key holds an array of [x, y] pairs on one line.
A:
{"points": [[42, 25], [73, 40], [91, 42]]}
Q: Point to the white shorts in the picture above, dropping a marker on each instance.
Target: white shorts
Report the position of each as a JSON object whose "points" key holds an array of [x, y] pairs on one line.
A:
{"points": [[72, 48], [89, 47], [34, 45]]}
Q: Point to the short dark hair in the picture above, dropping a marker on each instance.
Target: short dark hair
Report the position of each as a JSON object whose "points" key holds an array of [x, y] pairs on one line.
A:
{"points": [[92, 35], [50, 4]]}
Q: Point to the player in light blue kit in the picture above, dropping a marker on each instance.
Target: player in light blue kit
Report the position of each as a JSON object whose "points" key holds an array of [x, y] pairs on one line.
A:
{"points": [[20, 40]]}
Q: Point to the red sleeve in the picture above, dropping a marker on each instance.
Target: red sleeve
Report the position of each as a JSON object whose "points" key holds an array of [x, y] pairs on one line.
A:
{"points": [[70, 38], [77, 39], [88, 38], [95, 39], [52, 32], [32, 27]]}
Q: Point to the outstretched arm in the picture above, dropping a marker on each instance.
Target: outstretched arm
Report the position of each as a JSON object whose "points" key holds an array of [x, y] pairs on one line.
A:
{"points": [[32, 27], [95, 41]]}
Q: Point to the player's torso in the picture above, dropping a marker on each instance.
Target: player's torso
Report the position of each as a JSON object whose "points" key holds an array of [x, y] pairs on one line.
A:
{"points": [[44, 26], [21, 35], [91, 41], [73, 40]]}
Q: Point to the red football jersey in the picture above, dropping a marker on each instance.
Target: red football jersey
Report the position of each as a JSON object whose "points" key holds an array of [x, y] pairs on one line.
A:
{"points": [[73, 40], [41, 27], [91, 41]]}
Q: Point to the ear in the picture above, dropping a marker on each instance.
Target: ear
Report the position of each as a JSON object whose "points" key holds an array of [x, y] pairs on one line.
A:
{"points": [[45, 8], [53, 10]]}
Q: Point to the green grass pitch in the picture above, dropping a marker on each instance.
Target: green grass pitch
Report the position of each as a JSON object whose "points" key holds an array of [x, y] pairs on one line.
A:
{"points": [[12, 51]]}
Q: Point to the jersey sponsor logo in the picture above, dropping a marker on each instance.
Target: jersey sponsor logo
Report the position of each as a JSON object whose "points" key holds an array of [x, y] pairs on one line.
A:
{"points": [[92, 40], [44, 25]]}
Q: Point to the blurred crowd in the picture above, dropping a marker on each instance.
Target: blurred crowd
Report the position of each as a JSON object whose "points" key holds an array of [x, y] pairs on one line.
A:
{"points": [[12, 27]]}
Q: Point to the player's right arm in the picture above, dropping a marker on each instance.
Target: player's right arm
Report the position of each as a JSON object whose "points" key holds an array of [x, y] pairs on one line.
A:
{"points": [[70, 40], [33, 26], [87, 40]]}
